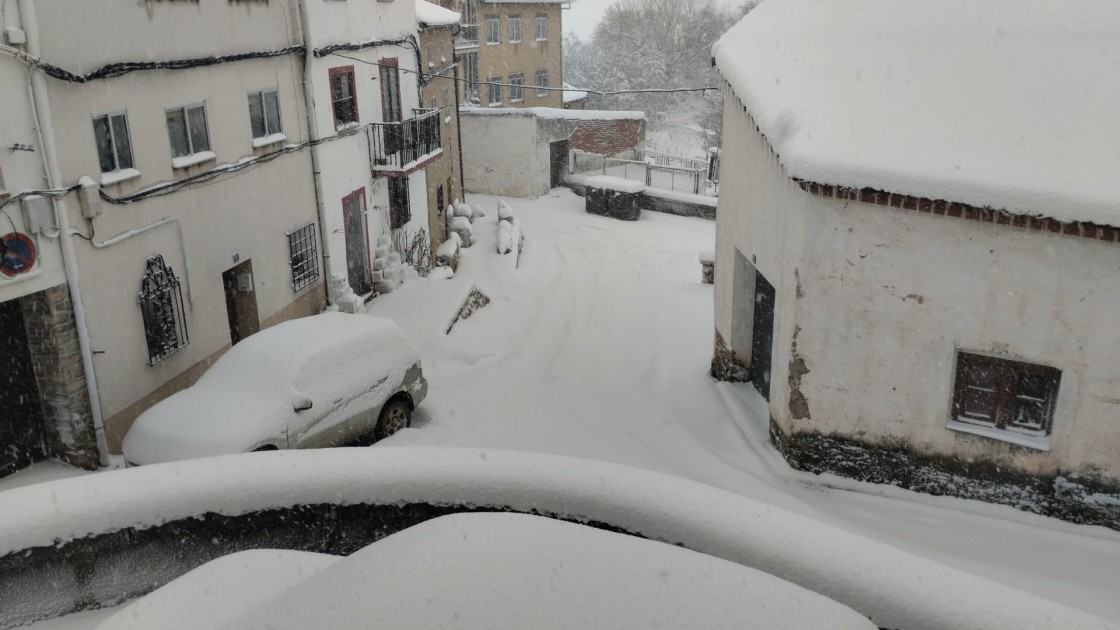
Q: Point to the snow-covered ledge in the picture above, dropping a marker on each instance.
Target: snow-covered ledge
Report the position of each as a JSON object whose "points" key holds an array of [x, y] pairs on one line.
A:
{"points": [[1037, 442], [267, 141], [119, 177], [193, 159], [896, 589]]}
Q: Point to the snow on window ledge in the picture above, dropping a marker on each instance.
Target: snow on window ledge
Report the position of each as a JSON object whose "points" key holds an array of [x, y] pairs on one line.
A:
{"points": [[188, 161], [1037, 442], [118, 177], [498, 104], [267, 141]]}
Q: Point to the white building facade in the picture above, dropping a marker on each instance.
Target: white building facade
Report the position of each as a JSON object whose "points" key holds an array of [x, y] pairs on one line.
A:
{"points": [[363, 63], [918, 328]]}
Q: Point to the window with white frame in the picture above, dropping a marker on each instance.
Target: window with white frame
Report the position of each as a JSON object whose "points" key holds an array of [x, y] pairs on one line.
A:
{"points": [[516, 87], [495, 90], [493, 30], [187, 128], [303, 255], [514, 29], [542, 82], [114, 147], [540, 28], [264, 113]]}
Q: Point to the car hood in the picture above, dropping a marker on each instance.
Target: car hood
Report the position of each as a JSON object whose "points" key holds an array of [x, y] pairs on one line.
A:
{"points": [[202, 422]]}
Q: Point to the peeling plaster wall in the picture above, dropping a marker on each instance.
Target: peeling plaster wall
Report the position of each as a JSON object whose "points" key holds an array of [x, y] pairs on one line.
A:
{"points": [[883, 298]]}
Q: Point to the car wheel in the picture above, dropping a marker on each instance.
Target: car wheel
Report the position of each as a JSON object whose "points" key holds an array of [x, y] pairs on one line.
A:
{"points": [[395, 415]]}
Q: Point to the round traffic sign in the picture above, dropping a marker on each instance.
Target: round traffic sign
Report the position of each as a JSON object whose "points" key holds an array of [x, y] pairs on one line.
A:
{"points": [[18, 254]]}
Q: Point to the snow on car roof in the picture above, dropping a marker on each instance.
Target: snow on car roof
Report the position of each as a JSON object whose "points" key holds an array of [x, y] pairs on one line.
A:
{"points": [[435, 15], [1004, 103], [490, 571]]}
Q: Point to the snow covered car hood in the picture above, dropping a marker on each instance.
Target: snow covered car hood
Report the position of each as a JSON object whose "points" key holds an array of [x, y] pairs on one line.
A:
{"points": [[248, 397]]}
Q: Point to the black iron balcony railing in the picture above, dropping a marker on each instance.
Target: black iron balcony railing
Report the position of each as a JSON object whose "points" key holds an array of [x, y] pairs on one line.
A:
{"points": [[398, 146], [467, 37]]}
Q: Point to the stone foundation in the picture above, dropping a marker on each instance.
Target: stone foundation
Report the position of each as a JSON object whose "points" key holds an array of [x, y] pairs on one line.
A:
{"points": [[1076, 497], [52, 337], [726, 366]]}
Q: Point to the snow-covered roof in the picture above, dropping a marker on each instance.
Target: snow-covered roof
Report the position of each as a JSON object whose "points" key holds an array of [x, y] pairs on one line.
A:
{"points": [[572, 94], [429, 14], [1010, 104], [554, 113]]}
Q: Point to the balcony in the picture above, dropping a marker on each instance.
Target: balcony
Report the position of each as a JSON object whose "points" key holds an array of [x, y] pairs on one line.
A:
{"points": [[467, 37], [406, 146]]}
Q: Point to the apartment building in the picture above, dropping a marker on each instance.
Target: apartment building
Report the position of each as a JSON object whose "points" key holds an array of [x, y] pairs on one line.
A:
{"points": [[510, 51], [190, 182], [440, 92]]}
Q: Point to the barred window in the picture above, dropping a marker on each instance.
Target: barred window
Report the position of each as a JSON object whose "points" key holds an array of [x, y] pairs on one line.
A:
{"points": [[303, 253], [400, 213], [161, 304]]}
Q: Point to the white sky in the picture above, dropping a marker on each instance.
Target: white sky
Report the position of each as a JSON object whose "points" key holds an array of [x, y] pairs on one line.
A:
{"points": [[584, 15]]}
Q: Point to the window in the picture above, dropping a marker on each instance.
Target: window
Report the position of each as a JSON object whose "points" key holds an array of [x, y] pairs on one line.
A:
{"points": [[514, 29], [493, 30], [187, 128], [161, 304], [441, 204], [516, 89], [303, 254], [495, 86], [1003, 394], [264, 113], [540, 28], [399, 212], [114, 148], [542, 82], [343, 99]]}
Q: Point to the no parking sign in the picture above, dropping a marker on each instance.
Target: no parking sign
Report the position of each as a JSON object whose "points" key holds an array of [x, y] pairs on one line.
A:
{"points": [[17, 255]]}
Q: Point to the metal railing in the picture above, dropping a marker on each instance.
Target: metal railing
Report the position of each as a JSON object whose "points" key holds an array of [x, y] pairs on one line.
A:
{"points": [[396, 146], [690, 179], [467, 37]]}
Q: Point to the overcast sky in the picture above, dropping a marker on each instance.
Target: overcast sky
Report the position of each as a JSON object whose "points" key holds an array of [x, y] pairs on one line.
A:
{"points": [[585, 14]]}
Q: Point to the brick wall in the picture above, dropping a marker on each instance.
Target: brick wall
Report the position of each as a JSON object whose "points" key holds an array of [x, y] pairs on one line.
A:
{"points": [[606, 137], [52, 337]]}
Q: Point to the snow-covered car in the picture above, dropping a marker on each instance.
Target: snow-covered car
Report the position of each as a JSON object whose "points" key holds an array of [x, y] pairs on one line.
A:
{"points": [[311, 382], [489, 570]]}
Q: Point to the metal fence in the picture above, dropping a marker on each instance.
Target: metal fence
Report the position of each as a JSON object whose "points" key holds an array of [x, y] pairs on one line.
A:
{"points": [[677, 174], [396, 145]]}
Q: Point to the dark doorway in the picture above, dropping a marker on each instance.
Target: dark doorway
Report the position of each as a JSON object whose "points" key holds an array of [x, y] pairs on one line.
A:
{"points": [[21, 417], [762, 337], [241, 301], [357, 245], [558, 162]]}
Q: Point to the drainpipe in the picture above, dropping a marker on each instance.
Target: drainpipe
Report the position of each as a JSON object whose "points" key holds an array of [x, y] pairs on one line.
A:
{"points": [[313, 135], [69, 260], [458, 121]]}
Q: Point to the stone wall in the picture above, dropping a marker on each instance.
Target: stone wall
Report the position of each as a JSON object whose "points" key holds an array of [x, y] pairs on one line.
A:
{"points": [[52, 337]]}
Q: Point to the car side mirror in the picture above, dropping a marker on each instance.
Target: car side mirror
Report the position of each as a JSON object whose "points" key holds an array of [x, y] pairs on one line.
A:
{"points": [[302, 404]]}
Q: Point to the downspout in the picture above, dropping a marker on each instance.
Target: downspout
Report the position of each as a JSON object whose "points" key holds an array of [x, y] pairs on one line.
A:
{"points": [[69, 259], [458, 121], [313, 136]]}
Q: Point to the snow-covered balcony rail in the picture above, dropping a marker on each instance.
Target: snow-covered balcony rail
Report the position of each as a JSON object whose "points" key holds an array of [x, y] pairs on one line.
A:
{"points": [[467, 37], [405, 145]]}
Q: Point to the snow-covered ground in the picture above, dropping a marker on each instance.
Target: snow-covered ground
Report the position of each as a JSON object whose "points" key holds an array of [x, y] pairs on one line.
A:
{"points": [[598, 346]]}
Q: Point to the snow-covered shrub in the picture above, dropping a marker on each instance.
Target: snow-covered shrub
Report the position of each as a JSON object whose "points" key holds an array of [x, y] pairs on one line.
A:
{"points": [[448, 253], [462, 227]]}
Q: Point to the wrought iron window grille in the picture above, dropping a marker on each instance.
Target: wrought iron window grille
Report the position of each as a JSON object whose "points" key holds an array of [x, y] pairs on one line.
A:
{"points": [[161, 304], [303, 250]]}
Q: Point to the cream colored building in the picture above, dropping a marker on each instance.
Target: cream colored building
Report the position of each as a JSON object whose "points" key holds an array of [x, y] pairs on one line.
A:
{"points": [[510, 48], [441, 92], [214, 233], [926, 297]]}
